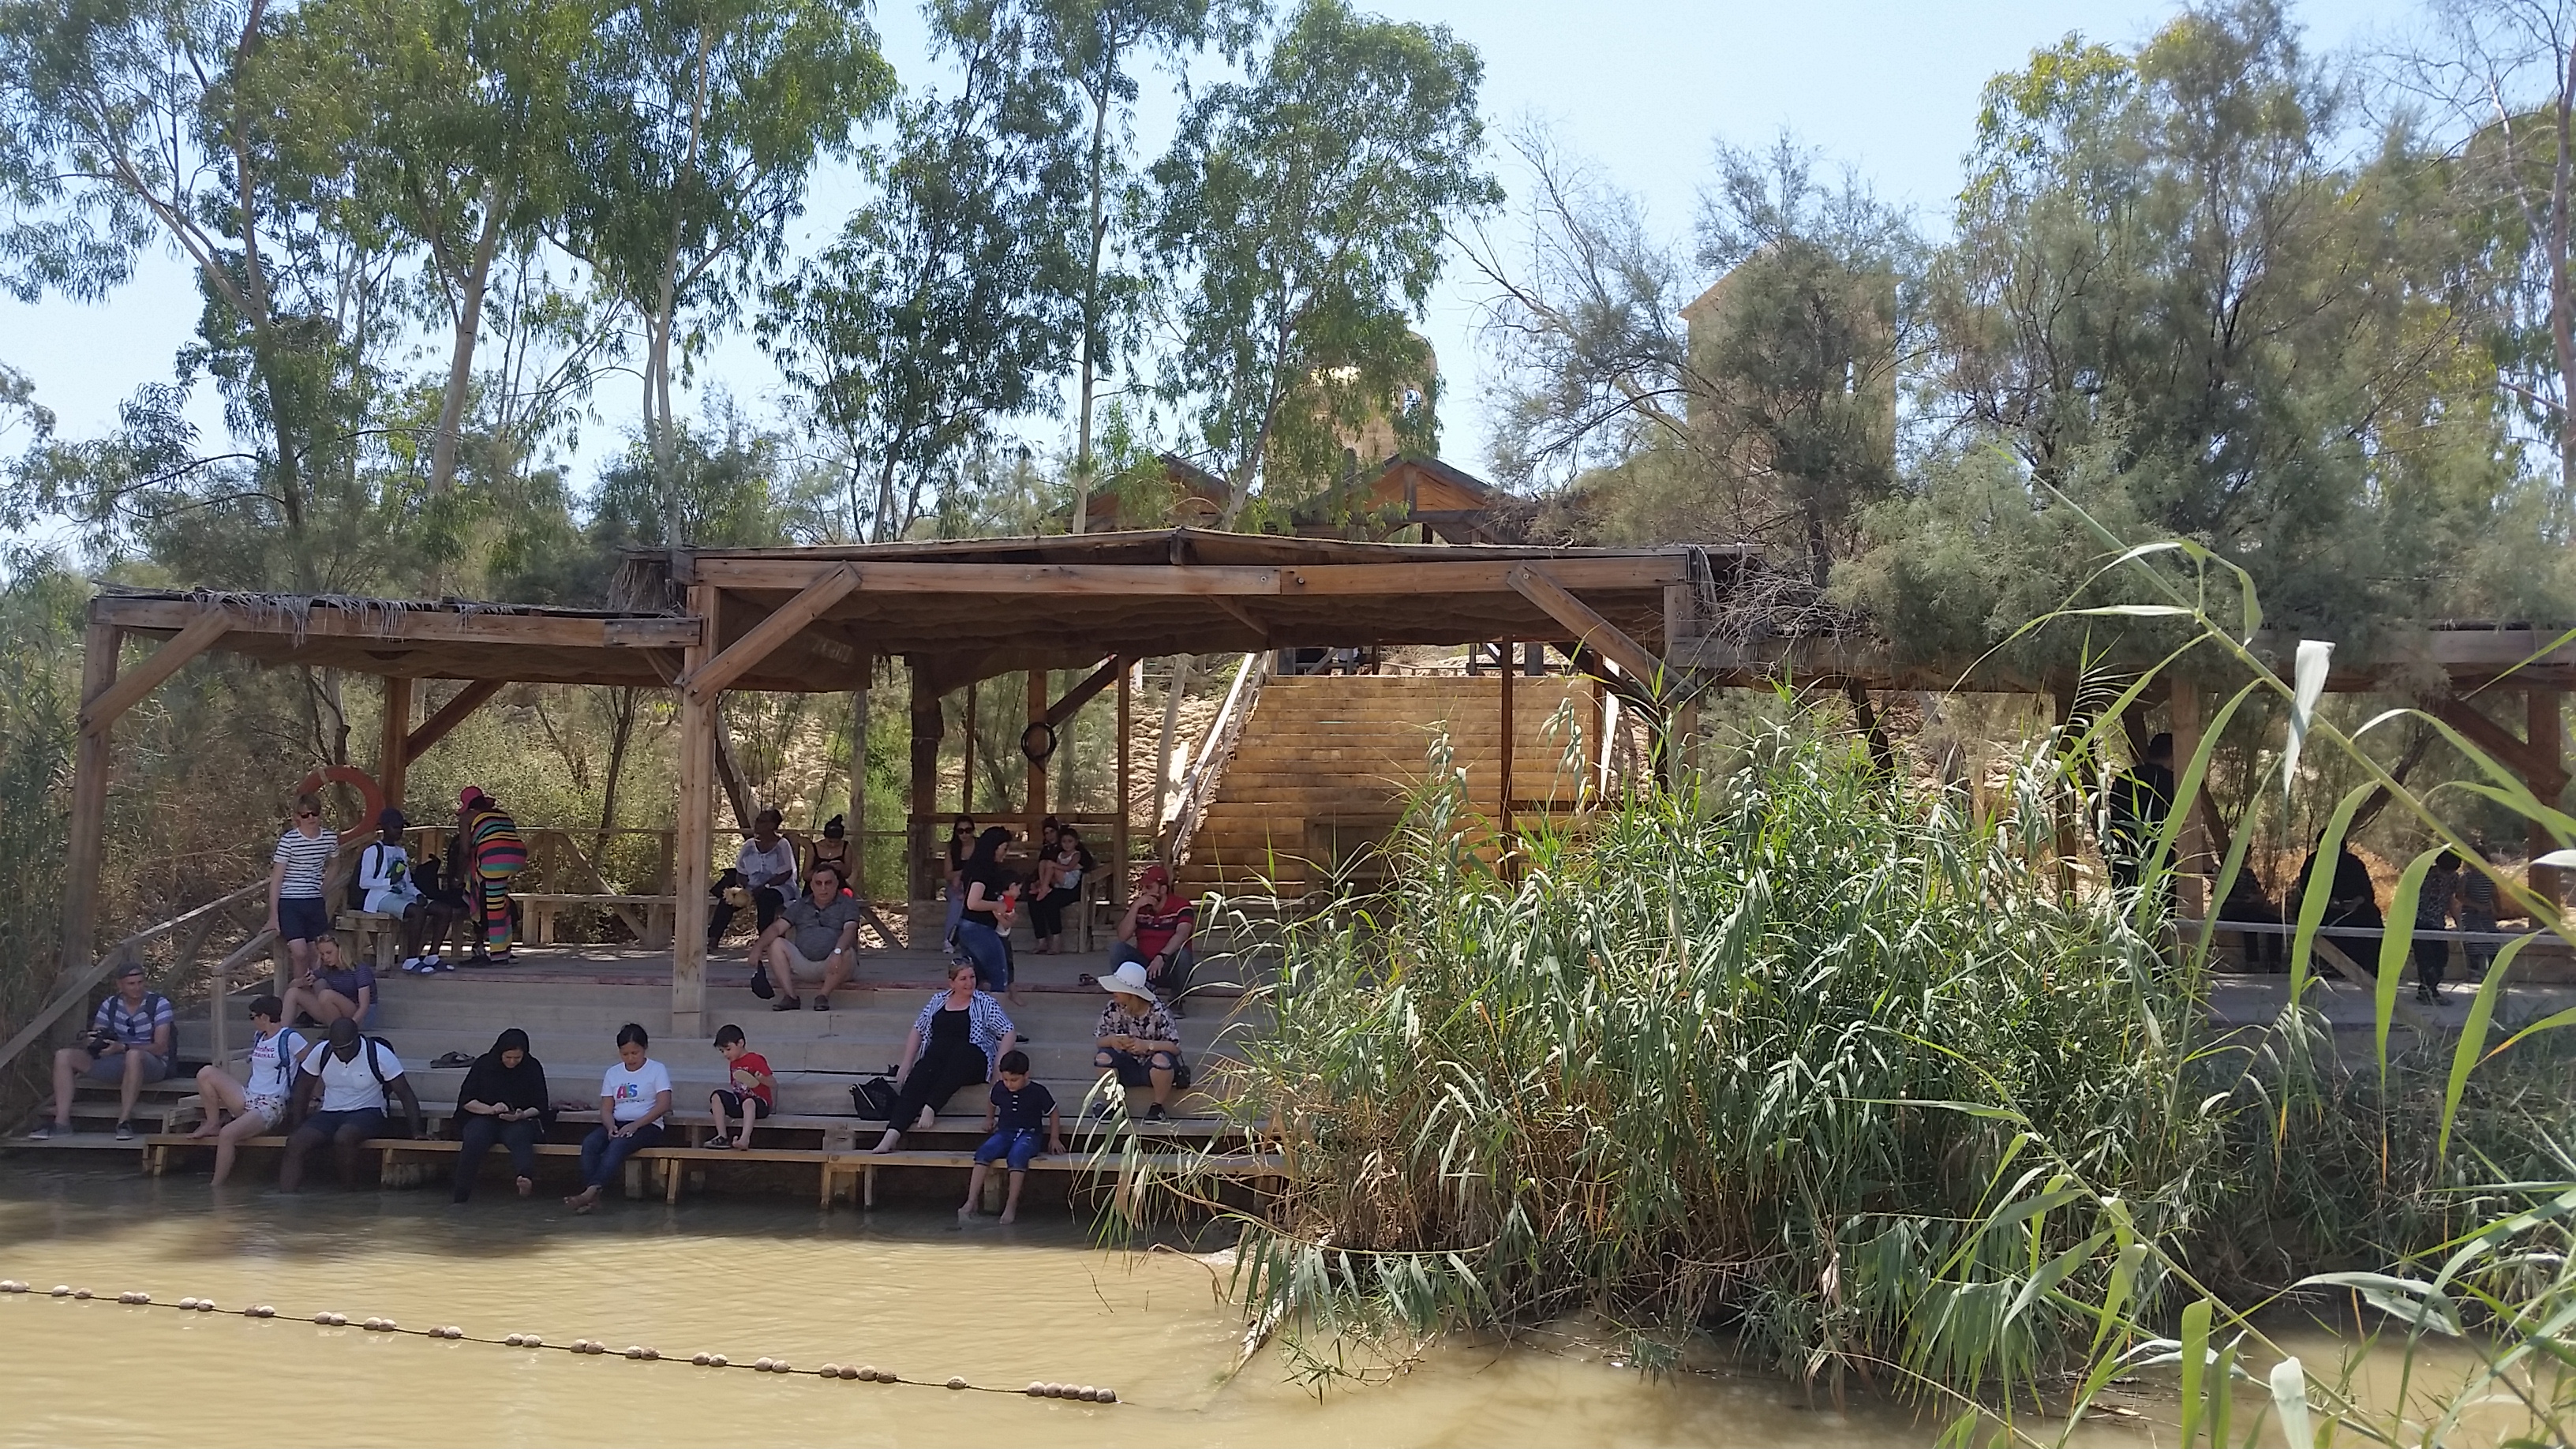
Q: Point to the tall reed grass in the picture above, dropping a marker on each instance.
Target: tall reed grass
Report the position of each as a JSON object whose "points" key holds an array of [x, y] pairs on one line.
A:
{"points": [[1836, 1067]]}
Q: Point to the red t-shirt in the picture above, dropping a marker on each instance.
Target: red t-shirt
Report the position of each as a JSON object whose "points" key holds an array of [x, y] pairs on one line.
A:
{"points": [[1156, 927], [752, 1062]]}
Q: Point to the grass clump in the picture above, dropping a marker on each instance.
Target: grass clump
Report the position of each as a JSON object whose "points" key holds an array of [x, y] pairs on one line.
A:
{"points": [[1811, 1056]]}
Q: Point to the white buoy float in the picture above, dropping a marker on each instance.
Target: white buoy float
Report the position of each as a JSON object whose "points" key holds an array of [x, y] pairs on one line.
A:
{"points": [[956, 1382]]}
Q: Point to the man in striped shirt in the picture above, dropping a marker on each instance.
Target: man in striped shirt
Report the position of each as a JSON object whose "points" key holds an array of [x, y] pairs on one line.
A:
{"points": [[296, 910], [129, 1044]]}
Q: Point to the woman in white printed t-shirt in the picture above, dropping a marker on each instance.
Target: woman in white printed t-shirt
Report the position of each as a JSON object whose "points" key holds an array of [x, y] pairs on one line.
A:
{"points": [[258, 1105], [634, 1101]]}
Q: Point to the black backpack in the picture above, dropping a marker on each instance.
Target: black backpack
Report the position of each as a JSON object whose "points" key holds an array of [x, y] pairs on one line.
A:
{"points": [[873, 1099]]}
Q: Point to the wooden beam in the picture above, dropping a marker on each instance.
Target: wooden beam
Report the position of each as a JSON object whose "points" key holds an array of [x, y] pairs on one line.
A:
{"points": [[783, 624], [1035, 800], [1243, 616], [694, 837], [858, 813], [1083, 693], [99, 711], [393, 768], [1503, 787], [426, 623], [927, 725], [2191, 860], [1590, 629], [1419, 576], [2546, 777], [86, 849], [2548, 749], [1120, 841], [449, 716]]}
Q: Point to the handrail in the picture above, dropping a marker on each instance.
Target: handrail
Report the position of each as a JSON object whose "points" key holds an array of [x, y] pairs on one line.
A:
{"points": [[73, 989], [1214, 751]]}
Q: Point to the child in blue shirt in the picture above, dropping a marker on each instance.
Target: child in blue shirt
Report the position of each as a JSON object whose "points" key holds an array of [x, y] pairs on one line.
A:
{"points": [[1018, 1112]]}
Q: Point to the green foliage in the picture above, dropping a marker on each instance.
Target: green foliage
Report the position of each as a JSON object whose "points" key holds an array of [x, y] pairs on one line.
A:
{"points": [[945, 304], [1302, 220]]}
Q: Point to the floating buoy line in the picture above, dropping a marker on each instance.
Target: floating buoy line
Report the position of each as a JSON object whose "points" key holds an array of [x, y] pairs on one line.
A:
{"points": [[587, 1347]]}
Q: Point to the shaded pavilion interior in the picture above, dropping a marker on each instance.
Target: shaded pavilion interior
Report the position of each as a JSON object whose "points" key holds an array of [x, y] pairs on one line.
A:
{"points": [[817, 620]]}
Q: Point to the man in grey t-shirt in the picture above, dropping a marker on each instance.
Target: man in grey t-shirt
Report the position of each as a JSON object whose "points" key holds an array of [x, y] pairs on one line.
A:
{"points": [[814, 936]]}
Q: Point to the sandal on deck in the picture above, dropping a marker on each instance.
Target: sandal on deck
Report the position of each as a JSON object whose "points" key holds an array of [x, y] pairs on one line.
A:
{"points": [[787, 1003]]}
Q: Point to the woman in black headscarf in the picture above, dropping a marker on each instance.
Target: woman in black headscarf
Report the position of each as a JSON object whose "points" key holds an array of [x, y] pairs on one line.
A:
{"points": [[503, 1100]]}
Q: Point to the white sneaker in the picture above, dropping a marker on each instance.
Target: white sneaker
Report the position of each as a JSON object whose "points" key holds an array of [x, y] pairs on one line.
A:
{"points": [[414, 966]]}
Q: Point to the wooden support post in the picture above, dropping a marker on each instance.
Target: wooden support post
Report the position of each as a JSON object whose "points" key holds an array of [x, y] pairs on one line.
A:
{"points": [[2546, 737], [1119, 840], [1682, 752], [2191, 861], [1036, 803], [927, 723], [966, 776], [1503, 800], [694, 838], [858, 813], [87, 844], [393, 768]]}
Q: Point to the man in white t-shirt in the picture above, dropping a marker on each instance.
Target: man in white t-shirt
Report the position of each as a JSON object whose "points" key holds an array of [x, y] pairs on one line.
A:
{"points": [[341, 1094], [634, 1102], [257, 1104], [766, 868]]}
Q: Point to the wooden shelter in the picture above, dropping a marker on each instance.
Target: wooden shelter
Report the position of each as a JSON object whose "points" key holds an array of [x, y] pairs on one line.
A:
{"points": [[815, 620]]}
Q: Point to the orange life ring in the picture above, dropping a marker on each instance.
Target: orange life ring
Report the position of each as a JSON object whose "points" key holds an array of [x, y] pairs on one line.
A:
{"points": [[370, 795]]}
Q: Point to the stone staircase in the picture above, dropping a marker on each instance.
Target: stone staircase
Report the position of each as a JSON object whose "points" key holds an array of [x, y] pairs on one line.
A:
{"points": [[1325, 763]]}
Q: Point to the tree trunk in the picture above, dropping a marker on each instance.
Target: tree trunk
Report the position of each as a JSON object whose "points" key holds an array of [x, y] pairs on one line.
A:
{"points": [[1091, 309], [460, 358], [621, 732]]}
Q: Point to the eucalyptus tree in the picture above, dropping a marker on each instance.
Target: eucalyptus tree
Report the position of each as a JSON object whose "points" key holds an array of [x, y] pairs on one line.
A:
{"points": [[2499, 80], [1304, 217], [951, 297], [701, 123], [453, 120], [1096, 45], [126, 123]]}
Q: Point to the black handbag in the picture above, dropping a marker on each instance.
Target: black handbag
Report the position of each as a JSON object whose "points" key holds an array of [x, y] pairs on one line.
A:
{"points": [[760, 986], [873, 1099]]}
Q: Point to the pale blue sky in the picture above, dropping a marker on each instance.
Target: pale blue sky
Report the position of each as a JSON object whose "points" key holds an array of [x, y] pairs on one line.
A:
{"points": [[1640, 88]]}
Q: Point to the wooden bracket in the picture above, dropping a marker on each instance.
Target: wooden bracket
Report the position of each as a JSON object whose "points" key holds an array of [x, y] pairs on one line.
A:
{"points": [[450, 715], [1590, 629], [709, 679], [1082, 694], [2546, 777], [99, 713]]}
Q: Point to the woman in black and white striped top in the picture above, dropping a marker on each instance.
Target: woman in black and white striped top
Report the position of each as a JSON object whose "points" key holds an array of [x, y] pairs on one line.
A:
{"points": [[296, 910]]}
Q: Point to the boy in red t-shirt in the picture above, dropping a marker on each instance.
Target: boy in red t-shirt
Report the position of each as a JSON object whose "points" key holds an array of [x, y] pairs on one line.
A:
{"points": [[754, 1093]]}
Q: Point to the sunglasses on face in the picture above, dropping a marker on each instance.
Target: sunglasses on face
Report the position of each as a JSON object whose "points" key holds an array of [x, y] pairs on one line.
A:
{"points": [[308, 814]]}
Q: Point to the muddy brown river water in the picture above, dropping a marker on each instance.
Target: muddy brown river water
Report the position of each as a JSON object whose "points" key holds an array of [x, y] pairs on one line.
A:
{"points": [[908, 1292]]}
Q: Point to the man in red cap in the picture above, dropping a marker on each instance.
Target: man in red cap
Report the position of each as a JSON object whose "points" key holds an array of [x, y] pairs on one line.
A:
{"points": [[1156, 936]]}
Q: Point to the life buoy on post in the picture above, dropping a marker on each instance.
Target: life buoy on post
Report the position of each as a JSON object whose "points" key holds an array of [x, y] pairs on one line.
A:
{"points": [[1038, 741], [371, 796]]}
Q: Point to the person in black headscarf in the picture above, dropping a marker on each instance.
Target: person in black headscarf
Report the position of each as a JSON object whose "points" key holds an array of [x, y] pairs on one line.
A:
{"points": [[503, 1100]]}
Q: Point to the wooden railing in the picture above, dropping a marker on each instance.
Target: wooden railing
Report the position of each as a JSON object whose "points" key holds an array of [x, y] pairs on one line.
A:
{"points": [[199, 922], [1198, 787]]}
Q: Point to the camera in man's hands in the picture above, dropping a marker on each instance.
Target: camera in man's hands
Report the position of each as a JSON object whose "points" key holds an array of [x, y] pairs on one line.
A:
{"points": [[99, 1042]]}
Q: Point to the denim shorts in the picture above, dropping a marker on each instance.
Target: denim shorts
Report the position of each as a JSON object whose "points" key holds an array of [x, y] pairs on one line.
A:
{"points": [[1019, 1144], [112, 1068]]}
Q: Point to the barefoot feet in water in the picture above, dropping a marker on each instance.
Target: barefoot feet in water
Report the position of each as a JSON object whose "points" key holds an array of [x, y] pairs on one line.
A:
{"points": [[527, 1185]]}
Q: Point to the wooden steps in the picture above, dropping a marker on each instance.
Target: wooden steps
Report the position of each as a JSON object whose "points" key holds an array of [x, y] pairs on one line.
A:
{"points": [[1326, 761]]}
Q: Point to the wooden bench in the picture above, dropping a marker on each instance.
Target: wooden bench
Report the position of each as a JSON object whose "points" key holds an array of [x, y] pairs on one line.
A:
{"points": [[649, 918], [373, 936], [862, 1166]]}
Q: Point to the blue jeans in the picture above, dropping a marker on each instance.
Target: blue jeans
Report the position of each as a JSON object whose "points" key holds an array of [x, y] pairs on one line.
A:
{"points": [[1019, 1144], [1177, 966], [956, 914], [602, 1154], [990, 953]]}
